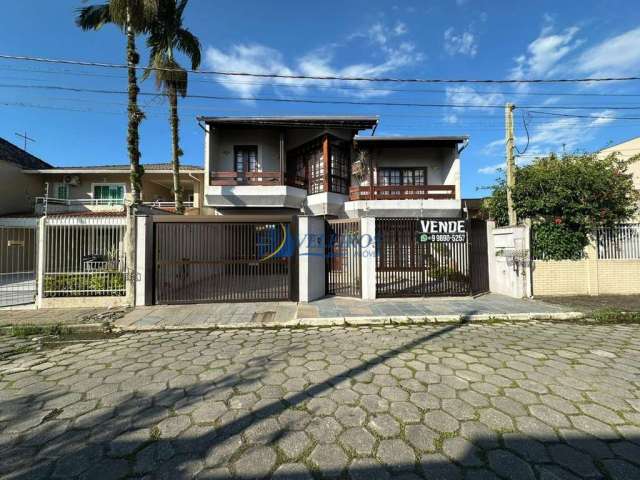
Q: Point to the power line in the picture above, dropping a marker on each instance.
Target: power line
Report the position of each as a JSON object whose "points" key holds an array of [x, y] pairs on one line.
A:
{"points": [[327, 101], [593, 117], [320, 77], [333, 87]]}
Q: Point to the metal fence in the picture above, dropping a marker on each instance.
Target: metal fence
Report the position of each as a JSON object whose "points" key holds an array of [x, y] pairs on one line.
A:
{"points": [[84, 257], [17, 265], [343, 268], [621, 242]]}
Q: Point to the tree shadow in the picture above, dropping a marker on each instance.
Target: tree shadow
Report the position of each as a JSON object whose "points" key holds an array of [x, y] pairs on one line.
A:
{"points": [[146, 434]]}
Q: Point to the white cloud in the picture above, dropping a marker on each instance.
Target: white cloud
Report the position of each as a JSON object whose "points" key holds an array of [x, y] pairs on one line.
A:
{"points": [[545, 53], [603, 118], [257, 58], [470, 97], [615, 56], [491, 169], [462, 44]]}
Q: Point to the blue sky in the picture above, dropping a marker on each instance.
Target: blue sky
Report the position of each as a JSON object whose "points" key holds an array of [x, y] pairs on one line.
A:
{"points": [[446, 39]]}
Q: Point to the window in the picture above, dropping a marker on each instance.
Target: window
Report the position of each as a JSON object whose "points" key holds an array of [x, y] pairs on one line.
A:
{"points": [[403, 176], [316, 172], [339, 169], [246, 159], [108, 193], [61, 190]]}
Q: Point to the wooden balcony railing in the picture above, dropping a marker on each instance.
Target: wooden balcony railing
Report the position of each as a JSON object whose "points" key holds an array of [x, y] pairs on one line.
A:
{"points": [[246, 178], [403, 192]]}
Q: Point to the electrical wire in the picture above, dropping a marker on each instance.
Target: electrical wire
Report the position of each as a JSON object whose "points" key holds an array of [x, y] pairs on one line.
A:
{"points": [[320, 77]]}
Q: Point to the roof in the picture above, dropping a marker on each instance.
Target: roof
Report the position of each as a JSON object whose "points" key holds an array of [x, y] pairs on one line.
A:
{"points": [[401, 140], [10, 153], [357, 122], [123, 168]]}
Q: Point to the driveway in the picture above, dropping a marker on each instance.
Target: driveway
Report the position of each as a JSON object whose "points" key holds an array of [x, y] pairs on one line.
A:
{"points": [[476, 401]]}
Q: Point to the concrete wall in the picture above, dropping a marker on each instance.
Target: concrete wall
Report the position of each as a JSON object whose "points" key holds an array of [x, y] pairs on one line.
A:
{"points": [[311, 267], [18, 189], [144, 261], [509, 272], [368, 252]]}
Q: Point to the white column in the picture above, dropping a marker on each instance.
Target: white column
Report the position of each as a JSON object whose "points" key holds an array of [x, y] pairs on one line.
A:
{"points": [[367, 239], [144, 261], [311, 281], [41, 257]]}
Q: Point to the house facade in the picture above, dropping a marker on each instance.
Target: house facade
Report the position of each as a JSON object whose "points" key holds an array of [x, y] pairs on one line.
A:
{"points": [[327, 166], [626, 150]]}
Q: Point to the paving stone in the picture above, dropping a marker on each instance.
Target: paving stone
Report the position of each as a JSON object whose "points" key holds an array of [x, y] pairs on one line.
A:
{"points": [[367, 469], [324, 429], [374, 403], [358, 440], [421, 437], [578, 462], [256, 462], [384, 425], [394, 394], [508, 465], [548, 415], [461, 451], [329, 459], [172, 426], [495, 420], [292, 471], [441, 421], [405, 412], [601, 413], [438, 467], [620, 469], [396, 454], [350, 416]]}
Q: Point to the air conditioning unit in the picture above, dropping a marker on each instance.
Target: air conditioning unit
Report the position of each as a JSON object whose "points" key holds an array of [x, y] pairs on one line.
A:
{"points": [[73, 180]]}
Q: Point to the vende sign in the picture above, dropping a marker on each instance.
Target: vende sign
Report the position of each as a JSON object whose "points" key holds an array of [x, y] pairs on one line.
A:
{"points": [[447, 230]]}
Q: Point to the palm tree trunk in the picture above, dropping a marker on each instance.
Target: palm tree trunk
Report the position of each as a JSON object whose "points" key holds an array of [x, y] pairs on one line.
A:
{"points": [[175, 161], [133, 140]]}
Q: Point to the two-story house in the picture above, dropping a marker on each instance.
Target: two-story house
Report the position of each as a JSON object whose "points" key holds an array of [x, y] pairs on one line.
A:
{"points": [[327, 166]]}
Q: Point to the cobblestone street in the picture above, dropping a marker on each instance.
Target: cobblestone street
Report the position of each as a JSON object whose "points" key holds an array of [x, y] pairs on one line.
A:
{"points": [[478, 401]]}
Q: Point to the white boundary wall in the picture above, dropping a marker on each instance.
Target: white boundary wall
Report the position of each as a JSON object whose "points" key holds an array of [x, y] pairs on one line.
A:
{"points": [[509, 260], [311, 258]]}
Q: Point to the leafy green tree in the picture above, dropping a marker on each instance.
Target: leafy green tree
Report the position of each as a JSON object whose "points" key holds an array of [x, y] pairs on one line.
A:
{"points": [[571, 195], [166, 36]]}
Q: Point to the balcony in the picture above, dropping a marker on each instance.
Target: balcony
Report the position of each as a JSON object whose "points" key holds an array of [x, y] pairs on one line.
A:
{"points": [[65, 205], [403, 201], [220, 179], [403, 192], [253, 189]]}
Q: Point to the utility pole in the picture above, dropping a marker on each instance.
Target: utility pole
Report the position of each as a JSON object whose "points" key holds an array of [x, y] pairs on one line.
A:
{"points": [[511, 166]]}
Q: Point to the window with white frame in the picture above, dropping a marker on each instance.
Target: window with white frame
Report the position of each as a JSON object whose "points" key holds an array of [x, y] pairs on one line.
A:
{"points": [[108, 192]]}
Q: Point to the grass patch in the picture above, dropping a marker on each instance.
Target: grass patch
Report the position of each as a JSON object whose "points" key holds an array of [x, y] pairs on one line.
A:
{"points": [[30, 330], [614, 315]]}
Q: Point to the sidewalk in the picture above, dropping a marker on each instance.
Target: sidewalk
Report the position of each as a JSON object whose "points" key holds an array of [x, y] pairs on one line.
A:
{"points": [[341, 311]]}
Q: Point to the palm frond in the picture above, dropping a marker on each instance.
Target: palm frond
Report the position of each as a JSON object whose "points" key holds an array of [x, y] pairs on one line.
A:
{"points": [[93, 17], [189, 44]]}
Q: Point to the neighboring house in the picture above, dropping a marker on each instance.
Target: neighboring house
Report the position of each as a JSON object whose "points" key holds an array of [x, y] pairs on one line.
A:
{"points": [[18, 190], [322, 166], [626, 150], [103, 188]]}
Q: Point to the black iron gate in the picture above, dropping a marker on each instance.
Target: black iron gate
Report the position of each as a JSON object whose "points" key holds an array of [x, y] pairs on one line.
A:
{"points": [[406, 267], [479, 257], [343, 258], [223, 261]]}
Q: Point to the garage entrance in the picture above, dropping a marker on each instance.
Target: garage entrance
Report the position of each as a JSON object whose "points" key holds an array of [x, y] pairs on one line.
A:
{"points": [[223, 260], [17, 265], [343, 258], [412, 265]]}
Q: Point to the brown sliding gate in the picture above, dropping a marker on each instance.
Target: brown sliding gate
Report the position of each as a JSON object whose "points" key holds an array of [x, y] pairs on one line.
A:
{"points": [[343, 258], [216, 260], [406, 267]]}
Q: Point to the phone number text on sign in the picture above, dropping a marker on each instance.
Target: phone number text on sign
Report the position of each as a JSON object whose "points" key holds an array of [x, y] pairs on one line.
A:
{"points": [[443, 231]]}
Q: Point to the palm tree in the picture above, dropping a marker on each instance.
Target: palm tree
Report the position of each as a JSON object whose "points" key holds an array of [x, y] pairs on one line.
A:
{"points": [[133, 17], [166, 36]]}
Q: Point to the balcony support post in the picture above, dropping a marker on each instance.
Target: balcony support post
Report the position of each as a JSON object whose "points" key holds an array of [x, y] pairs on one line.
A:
{"points": [[327, 163], [282, 159]]}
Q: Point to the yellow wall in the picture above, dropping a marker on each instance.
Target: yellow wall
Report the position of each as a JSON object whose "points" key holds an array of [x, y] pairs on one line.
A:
{"points": [[586, 277]]}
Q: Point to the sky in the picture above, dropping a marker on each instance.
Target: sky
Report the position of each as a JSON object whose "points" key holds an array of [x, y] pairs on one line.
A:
{"points": [[448, 39]]}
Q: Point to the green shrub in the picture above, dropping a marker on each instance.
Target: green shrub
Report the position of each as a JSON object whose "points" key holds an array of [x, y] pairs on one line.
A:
{"points": [[557, 242], [100, 283], [614, 315]]}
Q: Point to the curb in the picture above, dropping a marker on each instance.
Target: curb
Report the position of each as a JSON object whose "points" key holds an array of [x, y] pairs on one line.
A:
{"points": [[361, 321]]}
